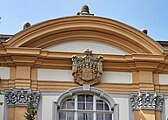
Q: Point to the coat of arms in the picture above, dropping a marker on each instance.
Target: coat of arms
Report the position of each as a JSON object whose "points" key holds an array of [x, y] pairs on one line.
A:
{"points": [[87, 69]]}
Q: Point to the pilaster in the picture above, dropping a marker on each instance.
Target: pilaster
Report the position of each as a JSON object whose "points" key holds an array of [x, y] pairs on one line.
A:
{"points": [[146, 81], [23, 74]]}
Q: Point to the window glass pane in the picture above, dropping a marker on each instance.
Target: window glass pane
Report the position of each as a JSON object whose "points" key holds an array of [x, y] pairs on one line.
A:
{"points": [[108, 116], [106, 106], [81, 106], [81, 116], [62, 116], [89, 98], [85, 116], [70, 115], [63, 106], [89, 106], [99, 116], [70, 104], [89, 116], [99, 106], [81, 98]]}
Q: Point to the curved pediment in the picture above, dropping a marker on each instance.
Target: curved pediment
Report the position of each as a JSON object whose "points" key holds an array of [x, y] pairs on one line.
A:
{"points": [[86, 28]]}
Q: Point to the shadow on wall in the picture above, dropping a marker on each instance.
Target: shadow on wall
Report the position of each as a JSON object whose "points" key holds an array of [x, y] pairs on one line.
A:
{"points": [[147, 115]]}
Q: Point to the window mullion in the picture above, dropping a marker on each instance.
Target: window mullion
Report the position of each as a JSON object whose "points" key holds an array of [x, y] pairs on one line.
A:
{"points": [[85, 102], [94, 107], [112, 116], [76, 108]]}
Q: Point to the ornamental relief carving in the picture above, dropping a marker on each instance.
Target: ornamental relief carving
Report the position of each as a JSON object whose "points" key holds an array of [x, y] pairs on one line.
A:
{"points": [[152, 101], [87, 69], [21, 97]]}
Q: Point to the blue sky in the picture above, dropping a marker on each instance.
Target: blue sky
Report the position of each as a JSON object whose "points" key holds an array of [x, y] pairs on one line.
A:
{"points": [[150, 14]]}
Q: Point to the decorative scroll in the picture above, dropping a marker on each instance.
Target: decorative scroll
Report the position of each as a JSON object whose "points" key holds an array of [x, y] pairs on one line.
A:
{"points": [[141, 100], [21, 97], [87, 69]]}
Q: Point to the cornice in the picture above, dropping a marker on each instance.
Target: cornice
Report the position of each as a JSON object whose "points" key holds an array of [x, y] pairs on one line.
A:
{"points": [[39, 58]]}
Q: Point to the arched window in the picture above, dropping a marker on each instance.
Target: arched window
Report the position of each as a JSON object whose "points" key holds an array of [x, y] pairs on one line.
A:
{"points": [[85, 107], [79, 104]]}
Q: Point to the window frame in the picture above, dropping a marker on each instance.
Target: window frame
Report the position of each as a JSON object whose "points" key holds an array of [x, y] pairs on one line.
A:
{"points": [[91, 91], [94, 109]]}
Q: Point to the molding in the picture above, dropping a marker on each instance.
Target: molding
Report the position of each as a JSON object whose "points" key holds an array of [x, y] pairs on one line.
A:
{"points": [[82, 89], [147, 101], [21, 97], [111, 88], [39, 58], [85, 28]]}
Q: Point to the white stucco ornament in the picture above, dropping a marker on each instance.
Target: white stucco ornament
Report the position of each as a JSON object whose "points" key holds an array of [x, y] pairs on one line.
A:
{"points": [[147, 101]]}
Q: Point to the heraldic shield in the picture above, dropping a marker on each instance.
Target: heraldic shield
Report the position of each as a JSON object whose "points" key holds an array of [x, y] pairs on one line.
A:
{"points": [[87, 69]]}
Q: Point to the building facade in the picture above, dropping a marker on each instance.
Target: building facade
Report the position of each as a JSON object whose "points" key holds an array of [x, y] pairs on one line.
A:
{"points": [[83, 67]]}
